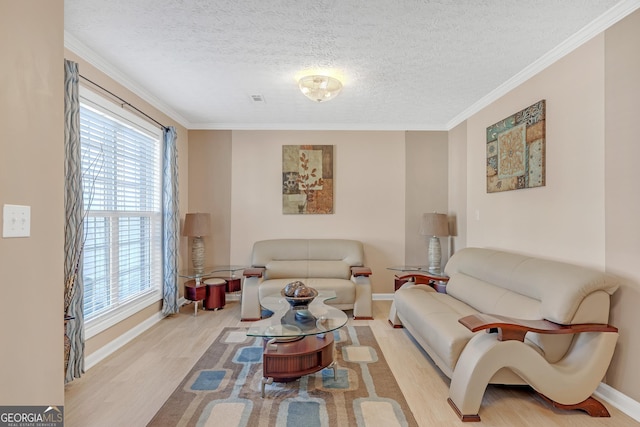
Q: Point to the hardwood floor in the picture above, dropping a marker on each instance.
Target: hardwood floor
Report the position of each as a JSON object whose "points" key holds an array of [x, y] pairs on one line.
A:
{"points": [[128, 387]]}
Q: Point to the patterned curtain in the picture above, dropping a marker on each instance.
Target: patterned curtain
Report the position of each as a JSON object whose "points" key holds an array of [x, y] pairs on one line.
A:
{"points": [[73, 228], [171, 222]]}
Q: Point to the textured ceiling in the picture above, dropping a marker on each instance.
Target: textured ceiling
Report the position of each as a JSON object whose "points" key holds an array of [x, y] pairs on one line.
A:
{"points": [[405, 64]]}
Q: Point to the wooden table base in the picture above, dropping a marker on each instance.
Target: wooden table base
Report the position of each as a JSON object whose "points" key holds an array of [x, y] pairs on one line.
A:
{"points": [[288, 361]]}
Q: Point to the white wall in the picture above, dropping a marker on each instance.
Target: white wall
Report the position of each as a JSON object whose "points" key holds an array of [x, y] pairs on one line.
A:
{"points": [[564, 219], [369, 195]]}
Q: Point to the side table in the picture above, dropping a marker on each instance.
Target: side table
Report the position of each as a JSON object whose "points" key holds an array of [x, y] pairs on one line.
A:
{"points": [[215, 297], [420, 276], [195, 289], [233, 284], [194, 292]]}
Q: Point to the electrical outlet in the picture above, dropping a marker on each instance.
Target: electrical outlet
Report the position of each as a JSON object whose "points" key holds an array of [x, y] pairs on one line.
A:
{"points": [[16, 221]]}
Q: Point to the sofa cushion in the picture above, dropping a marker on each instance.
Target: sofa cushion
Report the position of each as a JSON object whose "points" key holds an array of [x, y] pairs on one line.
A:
{"points": [[345, 289], [435, 318], [486, 297]]}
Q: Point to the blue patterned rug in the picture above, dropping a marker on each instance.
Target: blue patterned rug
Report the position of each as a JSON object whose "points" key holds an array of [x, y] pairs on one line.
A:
{"points": [[223, 388]]}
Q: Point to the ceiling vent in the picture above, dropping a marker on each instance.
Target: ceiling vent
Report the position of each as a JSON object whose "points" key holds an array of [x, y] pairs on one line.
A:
{"points": [[257, 98]]}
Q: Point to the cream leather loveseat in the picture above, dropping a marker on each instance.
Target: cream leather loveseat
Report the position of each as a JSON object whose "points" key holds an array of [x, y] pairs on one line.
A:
{"points": [[323, 264], [562, 349]]}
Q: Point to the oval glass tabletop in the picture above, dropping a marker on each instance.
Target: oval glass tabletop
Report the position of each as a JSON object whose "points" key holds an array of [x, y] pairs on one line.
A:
{"points": [[296, 322]]}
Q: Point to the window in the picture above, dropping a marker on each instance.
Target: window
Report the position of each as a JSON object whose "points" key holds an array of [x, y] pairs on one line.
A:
{"points": [[122, 175]]}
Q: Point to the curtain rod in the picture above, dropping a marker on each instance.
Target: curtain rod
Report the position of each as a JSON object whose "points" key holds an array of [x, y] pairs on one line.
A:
{"points": [[124, 102]]}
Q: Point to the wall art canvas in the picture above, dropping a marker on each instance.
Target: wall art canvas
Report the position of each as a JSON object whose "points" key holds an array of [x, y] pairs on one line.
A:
{"points": [[516, 150], [307, 179]]}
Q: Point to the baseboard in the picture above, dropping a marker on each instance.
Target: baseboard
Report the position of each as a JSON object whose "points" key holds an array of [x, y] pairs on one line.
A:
{"points": [[382, 297], [233, 296], [103, 352], [621, 401]]}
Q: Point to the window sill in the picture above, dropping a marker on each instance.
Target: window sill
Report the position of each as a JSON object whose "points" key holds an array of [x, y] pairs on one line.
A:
{"points": [[106, 320]]}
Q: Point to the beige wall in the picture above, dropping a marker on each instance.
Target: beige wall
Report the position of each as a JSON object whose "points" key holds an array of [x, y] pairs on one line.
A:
{"points": [[87, 70], [457, 157], [565, 218], [587, 212], [236, 176], [369, 195], [210, 190], [32, 173], [622, 203], [426, 186]]}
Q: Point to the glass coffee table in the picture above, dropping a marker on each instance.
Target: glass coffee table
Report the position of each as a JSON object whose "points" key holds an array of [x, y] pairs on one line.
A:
{"points": [[297, 340]]}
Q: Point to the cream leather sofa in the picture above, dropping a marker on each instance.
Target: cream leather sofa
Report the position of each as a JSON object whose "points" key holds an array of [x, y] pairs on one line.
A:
{"points": [[562, 349], [323, 264]]}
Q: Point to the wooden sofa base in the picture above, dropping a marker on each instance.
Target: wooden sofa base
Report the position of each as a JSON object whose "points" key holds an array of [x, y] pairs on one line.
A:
{"points": [[591, 406], [395, 326], [464, 418]]}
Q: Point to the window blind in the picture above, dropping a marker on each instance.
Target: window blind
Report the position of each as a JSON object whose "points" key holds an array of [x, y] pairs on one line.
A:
{"points": [[121, 178]]}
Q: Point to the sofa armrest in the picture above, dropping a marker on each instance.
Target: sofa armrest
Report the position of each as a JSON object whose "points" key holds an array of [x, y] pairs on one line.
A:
{"points": [[360, 271], [510, 328], [254, 272]]}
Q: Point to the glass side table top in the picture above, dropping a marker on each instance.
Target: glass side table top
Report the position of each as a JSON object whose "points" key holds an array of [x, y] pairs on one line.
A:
{"points": [[287, 322], [209, 271], [418, 269]]}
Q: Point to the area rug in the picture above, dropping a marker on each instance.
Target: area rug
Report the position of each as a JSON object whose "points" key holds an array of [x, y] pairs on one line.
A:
{"points": [[223, 388]]}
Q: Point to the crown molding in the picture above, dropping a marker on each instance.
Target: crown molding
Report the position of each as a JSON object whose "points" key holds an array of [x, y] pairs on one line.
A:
{"points": [[321, 126], [89, 55], [595, 27]]}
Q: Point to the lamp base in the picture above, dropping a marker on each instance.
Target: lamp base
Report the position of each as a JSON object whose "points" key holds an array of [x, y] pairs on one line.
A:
{"points": [[435, 255], [197, 255]]}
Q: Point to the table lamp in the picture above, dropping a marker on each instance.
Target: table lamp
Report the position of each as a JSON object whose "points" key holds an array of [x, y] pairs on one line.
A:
{"points": [[196, 225], [434, 225]]}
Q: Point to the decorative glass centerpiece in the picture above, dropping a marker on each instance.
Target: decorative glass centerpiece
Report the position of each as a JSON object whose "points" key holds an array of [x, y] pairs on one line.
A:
{"points": [[298, 295]]}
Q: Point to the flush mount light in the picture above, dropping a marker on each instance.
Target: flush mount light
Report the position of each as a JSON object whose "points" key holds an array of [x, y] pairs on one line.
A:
{"points": [[320, 88]]}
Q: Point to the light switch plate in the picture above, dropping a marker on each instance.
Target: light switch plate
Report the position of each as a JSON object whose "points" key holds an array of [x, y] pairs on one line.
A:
{"points": [[16, 221]]}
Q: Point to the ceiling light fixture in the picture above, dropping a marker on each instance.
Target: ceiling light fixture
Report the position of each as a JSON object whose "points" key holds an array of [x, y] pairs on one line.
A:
{"points": [[320, 88]]}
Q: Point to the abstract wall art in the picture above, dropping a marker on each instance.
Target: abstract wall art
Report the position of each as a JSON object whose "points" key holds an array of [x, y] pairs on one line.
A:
{"points": [[307, 179], [516, 150]]}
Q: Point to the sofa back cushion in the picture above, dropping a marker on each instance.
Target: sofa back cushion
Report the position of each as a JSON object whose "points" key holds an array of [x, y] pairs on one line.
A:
{"points": [[330, 258], [308, 268], [488, 298], [525, 287]]}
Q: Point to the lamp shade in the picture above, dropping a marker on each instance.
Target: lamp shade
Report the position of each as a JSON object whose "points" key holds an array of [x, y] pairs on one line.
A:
{"points": [[434, 224], [196, 224], [320, 88]]}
